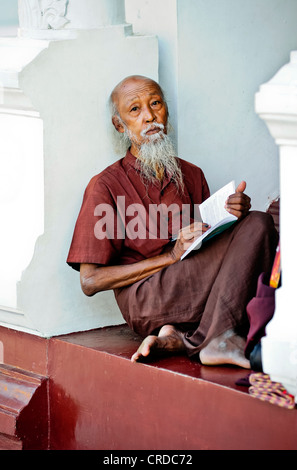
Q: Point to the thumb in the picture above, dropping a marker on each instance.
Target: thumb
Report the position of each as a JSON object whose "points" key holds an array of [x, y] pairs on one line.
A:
{"points": [[241, 187]]}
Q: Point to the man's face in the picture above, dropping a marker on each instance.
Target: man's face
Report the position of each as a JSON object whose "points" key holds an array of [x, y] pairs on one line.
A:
{"points": [[141, 105]]}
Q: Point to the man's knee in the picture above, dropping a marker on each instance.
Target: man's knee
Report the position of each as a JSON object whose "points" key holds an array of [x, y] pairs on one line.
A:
{"points": [[261, 222]]}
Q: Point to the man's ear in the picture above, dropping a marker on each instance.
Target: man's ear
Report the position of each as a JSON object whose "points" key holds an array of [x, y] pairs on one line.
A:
{"points": [[118, 124]]}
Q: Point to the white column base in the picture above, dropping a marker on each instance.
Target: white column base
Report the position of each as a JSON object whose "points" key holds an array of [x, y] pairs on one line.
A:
{"points": [[279, 360], [276, 103]]}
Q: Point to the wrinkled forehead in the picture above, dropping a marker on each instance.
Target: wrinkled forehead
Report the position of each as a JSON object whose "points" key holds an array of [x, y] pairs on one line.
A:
{"points": [[134, 88]]}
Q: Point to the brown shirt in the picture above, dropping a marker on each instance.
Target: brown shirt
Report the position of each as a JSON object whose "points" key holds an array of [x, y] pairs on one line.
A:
{"points": [[122, 220]]}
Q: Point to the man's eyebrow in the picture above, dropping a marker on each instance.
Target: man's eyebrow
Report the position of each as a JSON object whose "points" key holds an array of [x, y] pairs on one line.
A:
{"points": [[135, 98], [130, 100]]}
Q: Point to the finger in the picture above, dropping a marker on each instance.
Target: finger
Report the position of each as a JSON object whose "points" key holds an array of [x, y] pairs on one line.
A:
{"points": [[238, 210], [190, 236], [236, 207], [238, 213], [187, 244], [195, 227], [193, 231], [239, 200], [241, 187]]}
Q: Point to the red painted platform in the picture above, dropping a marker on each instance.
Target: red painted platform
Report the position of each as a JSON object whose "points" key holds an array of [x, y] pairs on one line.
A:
{"points": [[98, 399], [23, 409]]}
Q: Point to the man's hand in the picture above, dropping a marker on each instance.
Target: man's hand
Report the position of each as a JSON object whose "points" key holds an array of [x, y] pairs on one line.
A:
{"points": [[186, 237], [239, 203]]}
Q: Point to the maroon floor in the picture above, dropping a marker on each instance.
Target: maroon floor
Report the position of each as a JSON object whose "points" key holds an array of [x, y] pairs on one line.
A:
{"points": [[98, 399]]}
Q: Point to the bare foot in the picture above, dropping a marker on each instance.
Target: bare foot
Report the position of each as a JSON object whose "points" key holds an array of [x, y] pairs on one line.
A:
{"points": [[227, 348], [168, 339]]}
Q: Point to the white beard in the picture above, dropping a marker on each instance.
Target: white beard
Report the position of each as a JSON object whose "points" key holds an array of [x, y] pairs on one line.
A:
{"points": [[157, 155]]}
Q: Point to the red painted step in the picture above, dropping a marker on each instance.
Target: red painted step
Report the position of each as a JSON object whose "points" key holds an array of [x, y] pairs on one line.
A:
{"points": [[23, 409]]}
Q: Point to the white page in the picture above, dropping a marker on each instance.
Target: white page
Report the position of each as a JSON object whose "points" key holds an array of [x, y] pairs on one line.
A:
{"points": [[213, 210]]}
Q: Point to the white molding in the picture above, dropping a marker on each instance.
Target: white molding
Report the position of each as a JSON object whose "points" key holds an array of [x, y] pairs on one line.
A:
{"points": [[58, 19], [42, 14], [47, 34], [15, 319], [283, 127], [12, 316], [15, 327], [15, 102]]}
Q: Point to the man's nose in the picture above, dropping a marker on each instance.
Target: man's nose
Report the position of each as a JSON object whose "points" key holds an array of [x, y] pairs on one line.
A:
{"points": [[149, 115]]}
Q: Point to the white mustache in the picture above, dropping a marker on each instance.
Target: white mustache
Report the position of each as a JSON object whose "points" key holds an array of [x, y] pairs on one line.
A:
{"points": [[150, 127]]}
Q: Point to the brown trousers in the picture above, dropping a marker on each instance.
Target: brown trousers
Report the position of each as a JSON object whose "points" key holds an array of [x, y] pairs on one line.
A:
{"points": [[206, 293]]}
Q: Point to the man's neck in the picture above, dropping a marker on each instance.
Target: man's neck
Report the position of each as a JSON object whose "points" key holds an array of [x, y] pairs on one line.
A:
{"points": [[134, 150]]}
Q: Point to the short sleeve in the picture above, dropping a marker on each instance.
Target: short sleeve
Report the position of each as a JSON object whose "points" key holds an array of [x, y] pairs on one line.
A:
{"points": [[98, 235]]}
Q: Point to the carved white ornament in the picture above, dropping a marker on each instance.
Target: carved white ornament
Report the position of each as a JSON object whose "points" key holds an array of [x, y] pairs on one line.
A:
{"points": [[42, 14]]}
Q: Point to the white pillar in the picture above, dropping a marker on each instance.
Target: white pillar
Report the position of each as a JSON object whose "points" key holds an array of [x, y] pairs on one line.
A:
{"points": [[54, 137], [91, 14], [276, 103], [57, 18]]}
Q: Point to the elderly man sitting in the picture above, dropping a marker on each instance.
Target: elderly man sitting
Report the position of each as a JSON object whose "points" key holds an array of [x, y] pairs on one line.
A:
{"points": [[197, 305]]}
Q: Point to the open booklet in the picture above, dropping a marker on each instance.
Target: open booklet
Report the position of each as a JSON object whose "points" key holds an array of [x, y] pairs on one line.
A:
{"points": [[213, 213]]}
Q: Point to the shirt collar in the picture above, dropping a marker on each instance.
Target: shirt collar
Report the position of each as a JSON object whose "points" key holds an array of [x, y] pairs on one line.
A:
{"points": [[129, 159]]}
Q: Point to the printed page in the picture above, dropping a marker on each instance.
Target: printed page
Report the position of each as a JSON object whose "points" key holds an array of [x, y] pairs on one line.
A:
{"points": [[213, 212]]}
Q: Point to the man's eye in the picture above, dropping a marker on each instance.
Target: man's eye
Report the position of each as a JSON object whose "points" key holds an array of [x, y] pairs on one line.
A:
{"points": [[135, 108], [155, 103]]}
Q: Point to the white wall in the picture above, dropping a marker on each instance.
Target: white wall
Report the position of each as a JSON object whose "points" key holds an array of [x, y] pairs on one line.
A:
{"points": [[222, 52], [159, 17], [68, 83], [21, 199]]}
